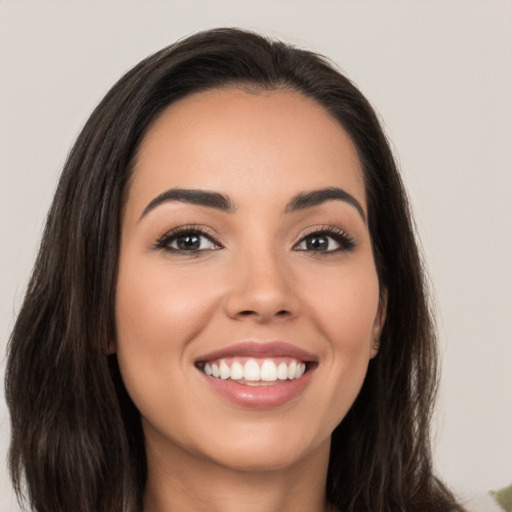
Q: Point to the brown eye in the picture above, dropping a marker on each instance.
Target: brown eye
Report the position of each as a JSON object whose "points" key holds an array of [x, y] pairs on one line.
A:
{"points": [[329, 240], [187, 240], [190, 242], [319, 243]]}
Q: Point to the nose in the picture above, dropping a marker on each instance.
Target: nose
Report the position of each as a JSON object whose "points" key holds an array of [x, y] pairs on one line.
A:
{"points": [[261, 289]]}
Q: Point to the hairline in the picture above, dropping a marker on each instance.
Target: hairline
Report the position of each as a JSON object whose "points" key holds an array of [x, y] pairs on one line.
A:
{"points": [[250, 87]]}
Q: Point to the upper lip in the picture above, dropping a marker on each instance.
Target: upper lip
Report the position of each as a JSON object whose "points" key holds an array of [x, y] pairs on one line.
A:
{"points": [[259, 350]]}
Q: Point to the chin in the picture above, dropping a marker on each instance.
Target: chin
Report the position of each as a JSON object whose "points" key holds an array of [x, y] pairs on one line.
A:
{"points": [[271, 457], [268, 446]]}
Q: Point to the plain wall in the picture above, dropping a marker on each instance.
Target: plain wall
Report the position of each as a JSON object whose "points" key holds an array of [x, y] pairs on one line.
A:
{"points": [[439, 73]]}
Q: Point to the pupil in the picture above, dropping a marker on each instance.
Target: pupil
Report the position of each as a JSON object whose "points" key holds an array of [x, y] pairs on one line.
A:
{"points": [[317, 243], [188, 242]]}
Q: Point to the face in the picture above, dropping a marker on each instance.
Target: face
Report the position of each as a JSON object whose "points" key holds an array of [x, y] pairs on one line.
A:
{"points": [[247, 301]]}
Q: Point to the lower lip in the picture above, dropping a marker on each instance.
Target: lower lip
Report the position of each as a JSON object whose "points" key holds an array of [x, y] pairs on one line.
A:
{"points": [[259, 397]]}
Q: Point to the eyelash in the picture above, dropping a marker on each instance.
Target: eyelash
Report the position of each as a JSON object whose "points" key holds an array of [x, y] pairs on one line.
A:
{"points": [[165, 241], [343, 240]]}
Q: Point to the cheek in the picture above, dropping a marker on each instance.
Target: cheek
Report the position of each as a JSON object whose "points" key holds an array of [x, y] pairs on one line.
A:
{"points": [[345, 305], [344, 309], [157, 308], [158, 312]]}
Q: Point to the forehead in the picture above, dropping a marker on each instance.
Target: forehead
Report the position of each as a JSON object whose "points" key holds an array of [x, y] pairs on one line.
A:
{"points": [[247, 144]]}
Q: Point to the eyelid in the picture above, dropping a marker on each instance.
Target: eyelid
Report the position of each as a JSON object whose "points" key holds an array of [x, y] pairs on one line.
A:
{"points": [[346, 242], [200, 230]]}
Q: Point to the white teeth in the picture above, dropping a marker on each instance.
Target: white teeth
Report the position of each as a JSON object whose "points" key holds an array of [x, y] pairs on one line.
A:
{"points": [[269, 371], [291, 370], [282, 371], [237, 371], [224, 371], [252, 372]]}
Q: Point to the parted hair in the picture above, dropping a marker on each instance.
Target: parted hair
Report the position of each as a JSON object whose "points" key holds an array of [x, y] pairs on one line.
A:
{"points": [[77, 442]]}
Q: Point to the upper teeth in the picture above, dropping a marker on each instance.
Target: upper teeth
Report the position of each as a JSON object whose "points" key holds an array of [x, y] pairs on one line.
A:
{"points": [[254, 370]]}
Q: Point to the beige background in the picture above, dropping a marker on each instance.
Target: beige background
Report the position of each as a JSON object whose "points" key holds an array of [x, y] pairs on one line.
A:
{"points": [[439, 73]]}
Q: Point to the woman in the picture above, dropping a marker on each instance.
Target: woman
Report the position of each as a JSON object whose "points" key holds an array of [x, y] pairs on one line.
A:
{"points": [[228, 310]]}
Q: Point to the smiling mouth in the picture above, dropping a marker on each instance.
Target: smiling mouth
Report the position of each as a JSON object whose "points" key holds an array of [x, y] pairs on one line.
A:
{"points": [[253, 371], [258, 375]]}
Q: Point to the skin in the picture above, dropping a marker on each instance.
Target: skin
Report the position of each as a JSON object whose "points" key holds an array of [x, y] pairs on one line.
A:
{"points": [[251, 279]]}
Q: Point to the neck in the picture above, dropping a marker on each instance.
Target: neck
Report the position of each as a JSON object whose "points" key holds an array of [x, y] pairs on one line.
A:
{"points": [[178, 481]]}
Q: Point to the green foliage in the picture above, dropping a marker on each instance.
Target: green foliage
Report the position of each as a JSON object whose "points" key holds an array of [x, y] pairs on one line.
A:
{"points": [[503, 498]]}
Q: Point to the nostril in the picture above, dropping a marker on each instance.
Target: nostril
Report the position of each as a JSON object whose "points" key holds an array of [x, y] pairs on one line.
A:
{"points": [[249, 312]]}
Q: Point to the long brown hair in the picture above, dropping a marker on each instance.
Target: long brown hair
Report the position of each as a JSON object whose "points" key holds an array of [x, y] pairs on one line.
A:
{"points": [[77, 442]]}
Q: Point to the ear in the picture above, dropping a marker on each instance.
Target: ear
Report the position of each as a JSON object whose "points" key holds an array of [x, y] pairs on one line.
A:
{"points": [[378, 324], [111, 348]]}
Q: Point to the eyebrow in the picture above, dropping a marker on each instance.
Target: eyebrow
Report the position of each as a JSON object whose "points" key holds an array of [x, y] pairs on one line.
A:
{"points": [[305, 200], [192, 196], [219, 201]]}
